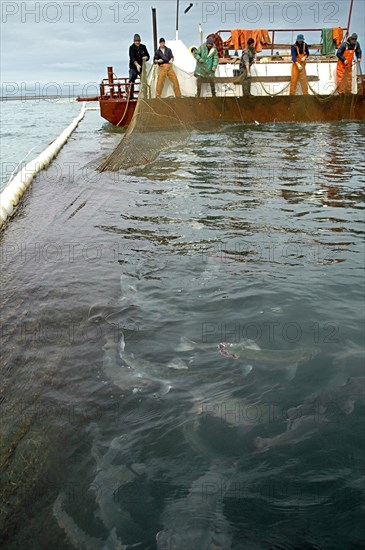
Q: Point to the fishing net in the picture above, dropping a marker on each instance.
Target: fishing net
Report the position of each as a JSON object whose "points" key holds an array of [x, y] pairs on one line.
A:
{"points": [[156, 125], [160, 124]]}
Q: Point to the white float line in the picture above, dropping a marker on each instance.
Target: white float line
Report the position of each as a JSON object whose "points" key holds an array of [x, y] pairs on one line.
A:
{"points": [[16, 188]]}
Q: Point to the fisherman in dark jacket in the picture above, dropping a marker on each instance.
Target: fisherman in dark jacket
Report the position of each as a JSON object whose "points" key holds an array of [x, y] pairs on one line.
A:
{"points": [[137, 54], [164, 59], [247, 60]]}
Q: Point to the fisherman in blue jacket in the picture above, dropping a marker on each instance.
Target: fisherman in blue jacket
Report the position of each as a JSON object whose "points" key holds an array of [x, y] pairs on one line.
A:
{"points": [[299, 55]]}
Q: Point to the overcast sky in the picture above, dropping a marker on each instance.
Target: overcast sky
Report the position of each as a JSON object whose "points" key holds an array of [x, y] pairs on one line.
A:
{"points": [[74, 41]]}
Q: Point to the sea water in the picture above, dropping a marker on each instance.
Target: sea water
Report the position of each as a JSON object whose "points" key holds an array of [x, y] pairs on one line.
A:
{"points": [[126, 422]]}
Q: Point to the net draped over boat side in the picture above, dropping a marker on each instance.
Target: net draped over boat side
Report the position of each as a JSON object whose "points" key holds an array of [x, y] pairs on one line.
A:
{"points": [[163, 123], [149, 132]]}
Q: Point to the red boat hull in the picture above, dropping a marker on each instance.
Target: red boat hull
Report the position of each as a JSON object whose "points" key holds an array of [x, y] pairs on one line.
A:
{"points": [[117, 111]]}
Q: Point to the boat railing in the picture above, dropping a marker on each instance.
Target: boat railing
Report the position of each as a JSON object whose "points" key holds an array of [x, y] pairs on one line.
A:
{"points": [[115, 87], [284, 45]]}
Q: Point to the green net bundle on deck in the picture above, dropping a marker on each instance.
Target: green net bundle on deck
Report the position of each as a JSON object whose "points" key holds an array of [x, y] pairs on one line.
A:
{"points": [[149, 132]]}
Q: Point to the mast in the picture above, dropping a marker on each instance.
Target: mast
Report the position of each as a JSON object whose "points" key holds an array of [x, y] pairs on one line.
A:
{"points": [[349, 19], [177, 16], [154, 26], [177, 19]]}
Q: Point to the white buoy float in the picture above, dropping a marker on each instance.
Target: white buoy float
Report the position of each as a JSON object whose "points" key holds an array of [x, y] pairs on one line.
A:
{"points": [[15, 189]]}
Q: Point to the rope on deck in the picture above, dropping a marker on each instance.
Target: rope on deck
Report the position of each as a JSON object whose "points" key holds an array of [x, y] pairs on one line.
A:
{"points": [[16, 187]]}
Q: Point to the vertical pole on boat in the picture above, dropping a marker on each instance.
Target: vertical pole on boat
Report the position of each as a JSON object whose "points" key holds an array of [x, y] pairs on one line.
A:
{"points": [[154, 26], [272, 42], [177, 19], [349, 19], [111, 81], [201, 34]]}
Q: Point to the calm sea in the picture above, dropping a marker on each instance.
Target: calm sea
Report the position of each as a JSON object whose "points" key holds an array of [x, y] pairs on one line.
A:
{"points": [[183, 361]]}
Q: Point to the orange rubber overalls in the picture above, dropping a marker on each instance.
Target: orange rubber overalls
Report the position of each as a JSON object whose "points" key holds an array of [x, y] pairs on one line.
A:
{"points": [[297, 74], [344, 72]]}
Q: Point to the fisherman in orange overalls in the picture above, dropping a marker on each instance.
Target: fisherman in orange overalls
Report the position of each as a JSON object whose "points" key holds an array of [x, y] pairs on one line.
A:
{"points": [[345, 54], [299, 54]]}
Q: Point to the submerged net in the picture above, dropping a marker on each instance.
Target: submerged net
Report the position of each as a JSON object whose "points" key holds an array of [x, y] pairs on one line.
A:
{"points": [[149, 132]]}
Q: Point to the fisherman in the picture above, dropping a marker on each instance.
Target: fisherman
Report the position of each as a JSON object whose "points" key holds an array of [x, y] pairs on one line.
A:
{"points": [[299, 55], [247, 60], [206, 63], [345, 54], [137, 54], [164, 59]]}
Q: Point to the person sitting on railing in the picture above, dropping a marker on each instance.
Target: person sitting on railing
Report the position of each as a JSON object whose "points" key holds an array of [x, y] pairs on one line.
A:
{"points": [[206, 63], [299, 54], [247, 60], [137, 54], [345, 54], [164, 59]]}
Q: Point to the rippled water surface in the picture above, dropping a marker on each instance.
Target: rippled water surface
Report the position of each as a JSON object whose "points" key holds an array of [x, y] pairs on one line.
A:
{"points": [[183, 345], [27, 128]]}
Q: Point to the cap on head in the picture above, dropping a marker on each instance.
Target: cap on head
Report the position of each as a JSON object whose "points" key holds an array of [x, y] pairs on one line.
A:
{"points": [[136, 37], [354, 36], [210, 40], [162, 40], [300, 37]]}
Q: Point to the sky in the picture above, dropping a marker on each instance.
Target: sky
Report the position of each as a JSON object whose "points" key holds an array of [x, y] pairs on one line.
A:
{"points": [[49, 45]]}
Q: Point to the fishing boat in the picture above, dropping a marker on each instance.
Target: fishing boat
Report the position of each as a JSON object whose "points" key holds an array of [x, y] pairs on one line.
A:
{"points": [[269, 100]]}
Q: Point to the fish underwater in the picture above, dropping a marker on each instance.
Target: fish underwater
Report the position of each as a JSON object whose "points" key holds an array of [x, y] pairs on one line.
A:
{"points": [[130, 373], [110, 478], [189, 364], [318, 411], [181, 370], [303, 429], [76, 536], [252, 356], [267, 359], [329, 403], [197, 521]]}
